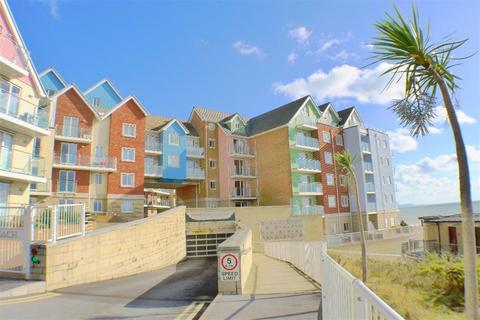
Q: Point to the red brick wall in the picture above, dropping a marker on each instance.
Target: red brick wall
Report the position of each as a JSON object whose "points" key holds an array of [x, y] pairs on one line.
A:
{"points": [[335, 190], [82, 179], [130, 112]]}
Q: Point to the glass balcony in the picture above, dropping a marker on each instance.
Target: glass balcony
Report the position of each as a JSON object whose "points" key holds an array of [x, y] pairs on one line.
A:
{"points": [[368, 166], [310, 210], [369, 187], [366, 147], [153, 170], [243, 171], [305, 142], [238, 149], [152, 146], [308, 165], [305, 122], [20, 165], [195, 151], [73, 133], [74, 161], [12, 57], [243, 193], [311, 188], [195, 173], [371, 207], [40, 188]]}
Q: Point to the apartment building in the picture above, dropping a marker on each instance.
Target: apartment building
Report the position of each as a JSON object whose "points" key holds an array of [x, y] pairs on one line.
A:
{"points": [[24, 114]]}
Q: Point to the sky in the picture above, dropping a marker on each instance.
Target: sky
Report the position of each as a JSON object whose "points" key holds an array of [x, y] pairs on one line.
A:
{"points": [[251, 57]]}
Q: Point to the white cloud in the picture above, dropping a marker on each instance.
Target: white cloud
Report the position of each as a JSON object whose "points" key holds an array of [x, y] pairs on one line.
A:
{"points": [[344, 55], [441, 116], [300, 34], [345, 81], [292, 57], [366, 45], [473, 153], [53, 4], [327, 44], [401, 141], [247, 49]]}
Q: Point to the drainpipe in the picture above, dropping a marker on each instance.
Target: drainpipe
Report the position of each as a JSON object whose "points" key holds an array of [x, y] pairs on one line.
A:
{"points": [[206, 161]]}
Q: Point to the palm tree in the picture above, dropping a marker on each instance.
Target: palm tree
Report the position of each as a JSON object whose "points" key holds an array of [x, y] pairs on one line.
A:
{"points": [[345, 162], [426, 67]]}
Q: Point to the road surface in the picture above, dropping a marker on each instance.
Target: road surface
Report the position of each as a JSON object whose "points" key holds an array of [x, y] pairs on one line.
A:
{"points": [[177, 292]]}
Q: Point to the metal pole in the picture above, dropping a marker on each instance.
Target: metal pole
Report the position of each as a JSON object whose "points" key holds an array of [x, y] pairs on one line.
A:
{"points": [[27, 221], [55, 223], [83, 218]]}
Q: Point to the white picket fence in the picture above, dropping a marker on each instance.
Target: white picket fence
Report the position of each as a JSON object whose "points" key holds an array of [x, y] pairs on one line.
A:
{"points": [[343, 296]]}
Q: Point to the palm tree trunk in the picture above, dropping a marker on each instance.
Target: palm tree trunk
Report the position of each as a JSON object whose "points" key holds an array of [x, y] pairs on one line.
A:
{"points": [[363, 244], [468, 224]]}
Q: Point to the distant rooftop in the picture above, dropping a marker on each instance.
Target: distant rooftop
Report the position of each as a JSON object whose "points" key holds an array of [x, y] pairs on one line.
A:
{"points": [[449, 218]]}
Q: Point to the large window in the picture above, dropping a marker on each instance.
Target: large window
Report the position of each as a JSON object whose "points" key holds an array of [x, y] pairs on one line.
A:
{"points": [[6, 143], [343, 180], [173, 139], [328, 157], [339, 140], [212, 143], [68, 153], [332, 201], [98, 178], [212, 184], [97, 205], [326, 136], [128, 154], [128, 180], [70, 126], [129, 130], [66, 181], [344, 200], [212, 163], [9, 98], [330, 179], [99, 152], [4, 192], [173, 161], [127, 206]]}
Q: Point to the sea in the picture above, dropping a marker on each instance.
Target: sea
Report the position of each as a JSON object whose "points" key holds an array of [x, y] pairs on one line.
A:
{"points": [[410, 213]]}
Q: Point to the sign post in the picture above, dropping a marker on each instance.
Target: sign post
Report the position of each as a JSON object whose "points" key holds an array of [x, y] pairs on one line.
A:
{"points": [[229, 267]]}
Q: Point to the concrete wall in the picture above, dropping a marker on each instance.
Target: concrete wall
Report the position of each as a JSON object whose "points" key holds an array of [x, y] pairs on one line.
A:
{"points": [[114, 252]]}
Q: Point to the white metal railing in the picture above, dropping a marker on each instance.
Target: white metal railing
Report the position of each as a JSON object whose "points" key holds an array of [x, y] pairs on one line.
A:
{"points": [[153, 170], [380, 234], [243, 171], [243, 193], [366, 147], [195, 151], [21, 109], [52, 223], [195, 173], [71, 159], [310, 187], [18, 161], [307, 164], [71, 131], [303, 120], [368, 166], [343, 296], [14, 250], [305, 141], [11, 50], [154, 146], [157, 202], [241, 149], [310, 210]]}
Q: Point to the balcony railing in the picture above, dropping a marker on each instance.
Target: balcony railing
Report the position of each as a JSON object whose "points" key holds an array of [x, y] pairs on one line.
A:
{"points": [[23, 110], [312, 187], [243, 193], [154, 170], [241, 150], [310, 210], [307, 142], [366, 147], [73, 132], [40, 187], [153, 146], [371, 207], [307, 164], [242, 171], [16, 161], [12, 56], [194, 151], [195, 173], [66, 186], [369, 187], [368, 166], [306, 121], [157, 202], [69, 159]]}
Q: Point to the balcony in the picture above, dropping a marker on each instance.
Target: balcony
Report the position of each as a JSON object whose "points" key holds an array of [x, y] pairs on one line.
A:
{"points": [[310, 189], [366, 147], [305, 143], [309, 210], [21, 166], [368, 167], [242, 172], [369, 187], [306, 166], [157, 203], [76, 162], [19, 115], [371, 207], [41, 189], [243, 194], [195, 152], [69, 133], [154, 171], [241, 151], [166, 192], [153, 147], [66, 186], [195, 173], [306, 123], [12, 57]]}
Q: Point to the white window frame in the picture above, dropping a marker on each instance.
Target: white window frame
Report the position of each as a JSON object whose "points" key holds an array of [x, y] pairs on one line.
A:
{"points": [[125, 130], [127, 174], [128, 209], [331, 199], [344, 201], [343, 180], [99, 177], [330, 179], [328, 157], [96, 101], [214, 162], [173, 161], [126, 151], [173, 139], [339, 140], [214, 184], [326, 137], [212, 143], [67, 173], [97, 202], [346, 227]]}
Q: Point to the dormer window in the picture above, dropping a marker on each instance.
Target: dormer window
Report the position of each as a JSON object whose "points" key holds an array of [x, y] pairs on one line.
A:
{"points": [[235, 125], [96, 102]]}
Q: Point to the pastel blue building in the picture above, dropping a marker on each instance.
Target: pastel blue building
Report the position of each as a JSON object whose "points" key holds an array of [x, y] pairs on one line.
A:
{"points": [[51, 81], [103, 95]]}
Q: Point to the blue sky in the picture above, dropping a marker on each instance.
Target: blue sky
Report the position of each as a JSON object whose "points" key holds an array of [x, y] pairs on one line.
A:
{"points": [[252, 57]]}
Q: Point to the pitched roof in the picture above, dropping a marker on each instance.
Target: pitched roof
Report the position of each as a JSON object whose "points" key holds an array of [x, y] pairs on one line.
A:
{"points": [[210, 115], [344, 114], [123, 102], [154, 122], [275, 118], [191, 128], [450, 218], [324, 106], [99, 83]]}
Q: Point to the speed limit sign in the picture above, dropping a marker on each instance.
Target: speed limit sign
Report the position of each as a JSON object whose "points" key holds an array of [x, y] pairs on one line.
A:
{"points": [[229, 265]]}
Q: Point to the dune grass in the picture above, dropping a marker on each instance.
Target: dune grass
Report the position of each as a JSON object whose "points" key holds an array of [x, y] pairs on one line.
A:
{"points": [[428, 289]]}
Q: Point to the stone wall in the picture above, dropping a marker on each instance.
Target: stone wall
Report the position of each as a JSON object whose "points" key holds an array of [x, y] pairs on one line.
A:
{"points": [[113, 252]]}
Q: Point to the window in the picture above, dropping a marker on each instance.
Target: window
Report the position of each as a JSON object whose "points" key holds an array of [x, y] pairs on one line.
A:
{"points": [[211, 126], [127, 206], [326, 136], [212, 184], [235, 125], [385, 143], [97, 205], [4, 192], [68, 153], [98, 178], [96, 102], [66, 181], [343, 180], [332, 202], [387, 161], [346, 227], [129, 130], [99, 152], [385, 199], [64, 201], [173, 139], [128, 180], [212, 163], [392, 199], [330, 179], [128, 154], [50, 92], [212, 143], [36, 147], [173, 161], [389, 180], [344, 200], [384, 180], [241, 204], [328, 157], [9, 97], [339, 140]]}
